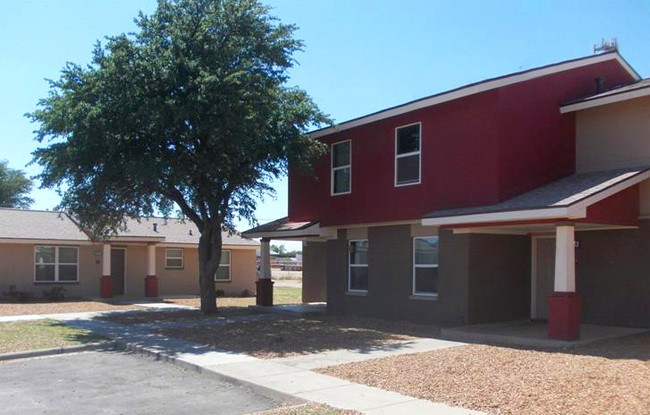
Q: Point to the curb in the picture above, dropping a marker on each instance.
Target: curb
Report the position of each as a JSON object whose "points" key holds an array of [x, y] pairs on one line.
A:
{"points": [[57, 350], [163, 357]]}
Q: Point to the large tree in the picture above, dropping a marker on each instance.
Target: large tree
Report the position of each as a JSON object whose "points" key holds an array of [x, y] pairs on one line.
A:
{"points": [[191, 112], [15, 187]]}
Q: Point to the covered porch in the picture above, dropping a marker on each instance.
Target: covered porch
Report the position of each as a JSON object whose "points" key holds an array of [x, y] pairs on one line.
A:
{"points": [[586, 258]]}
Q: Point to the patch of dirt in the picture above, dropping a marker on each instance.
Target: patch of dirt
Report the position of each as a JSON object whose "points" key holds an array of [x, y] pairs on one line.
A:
{"points": [[41, 307], [611, 377], [309, 409], [295, 336]]}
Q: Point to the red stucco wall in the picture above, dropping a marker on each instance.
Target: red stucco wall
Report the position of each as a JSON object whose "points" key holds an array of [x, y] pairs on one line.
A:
{"points": [[476, 150]]}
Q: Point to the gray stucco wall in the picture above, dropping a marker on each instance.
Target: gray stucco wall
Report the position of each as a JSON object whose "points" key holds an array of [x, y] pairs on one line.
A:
{"points": [[499, 278], [314, 266], [613, 276]]}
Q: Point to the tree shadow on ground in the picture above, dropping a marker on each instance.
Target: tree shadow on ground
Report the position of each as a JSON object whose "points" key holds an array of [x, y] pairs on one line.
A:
{"points": [[296, 336]]}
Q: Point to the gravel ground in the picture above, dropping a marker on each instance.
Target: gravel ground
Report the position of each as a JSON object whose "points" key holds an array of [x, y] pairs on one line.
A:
{"points": [[16, 309], [293, 336], [610, 377], [161, 316], [309, 409]]}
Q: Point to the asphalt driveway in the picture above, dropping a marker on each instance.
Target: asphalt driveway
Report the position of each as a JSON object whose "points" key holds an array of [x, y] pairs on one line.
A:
{"points": [[119, 383]]}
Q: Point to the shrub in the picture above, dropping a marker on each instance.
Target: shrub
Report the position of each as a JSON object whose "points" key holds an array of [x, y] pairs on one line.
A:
{"points": [[246, 293], [221, 293], [54, 294], [20, 296]]}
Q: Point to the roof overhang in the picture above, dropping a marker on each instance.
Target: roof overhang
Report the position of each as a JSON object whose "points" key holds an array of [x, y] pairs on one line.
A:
{"points": [[608, 99], [577, 210], [45, 241], [476, 88], [313, 230]]}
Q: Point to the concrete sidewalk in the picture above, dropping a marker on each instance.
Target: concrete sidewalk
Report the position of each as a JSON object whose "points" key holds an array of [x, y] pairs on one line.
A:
{"points": [[92, 314], [290, 377]]}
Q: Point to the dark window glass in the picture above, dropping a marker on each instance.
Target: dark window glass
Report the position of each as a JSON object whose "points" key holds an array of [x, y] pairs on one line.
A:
{"points": [[341, 154], [45, 272], [359, 252], [408, 169], [359, 278], [426, 251], [342, 180], [223, 273], [426, 280], [67, 272], [408, 139]]}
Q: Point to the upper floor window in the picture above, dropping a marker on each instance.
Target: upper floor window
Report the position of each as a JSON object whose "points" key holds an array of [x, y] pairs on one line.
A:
{"points": [[358, 266], [407, 154], [425, 266], [341, 168], [56, 264]]}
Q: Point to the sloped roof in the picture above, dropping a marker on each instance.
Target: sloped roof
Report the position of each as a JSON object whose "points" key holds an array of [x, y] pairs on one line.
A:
{"points": [[561, 193], [642, 84], [59, 226], [175, 230], [39, 225], [284, 228], [475, 88]]}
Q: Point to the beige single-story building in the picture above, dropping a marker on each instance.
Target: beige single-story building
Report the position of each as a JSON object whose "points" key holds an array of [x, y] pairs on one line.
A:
{"points": [[44, 249]]}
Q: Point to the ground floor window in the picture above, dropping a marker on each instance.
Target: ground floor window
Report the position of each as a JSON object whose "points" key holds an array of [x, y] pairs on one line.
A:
{"points": [[56, 263], [223, 273], [425, 266], [174, 258], [358, 269]]}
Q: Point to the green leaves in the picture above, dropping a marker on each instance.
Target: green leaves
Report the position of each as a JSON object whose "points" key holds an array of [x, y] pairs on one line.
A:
{"points": [[14, 187], [191, 112]]}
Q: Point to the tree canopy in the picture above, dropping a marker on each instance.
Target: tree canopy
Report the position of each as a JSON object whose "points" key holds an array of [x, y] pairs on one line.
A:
{"points": [[192, 112], [15, 187]]}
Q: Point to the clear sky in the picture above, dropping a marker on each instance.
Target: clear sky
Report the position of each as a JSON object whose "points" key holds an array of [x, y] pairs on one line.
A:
{"points": [[360, 56]]}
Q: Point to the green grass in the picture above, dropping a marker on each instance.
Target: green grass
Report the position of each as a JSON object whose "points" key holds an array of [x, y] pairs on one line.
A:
{"points": [[287, 295], [41, 334]]}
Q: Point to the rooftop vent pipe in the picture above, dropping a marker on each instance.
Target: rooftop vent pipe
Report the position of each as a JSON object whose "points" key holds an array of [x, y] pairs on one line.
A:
{"points": [[155, 227]]}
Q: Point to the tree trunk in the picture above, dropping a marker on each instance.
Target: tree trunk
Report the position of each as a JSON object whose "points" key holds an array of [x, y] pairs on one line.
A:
{"points": [[209, 259]]}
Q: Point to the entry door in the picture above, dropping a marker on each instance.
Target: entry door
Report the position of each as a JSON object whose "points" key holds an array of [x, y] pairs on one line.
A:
{"points": [[118, 270], [545, 274]]}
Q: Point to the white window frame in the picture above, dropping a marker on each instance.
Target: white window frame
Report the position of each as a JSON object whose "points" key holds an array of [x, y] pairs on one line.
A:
{"points": [[182, 258], [334, 169], [416, 266], [229, 265], [351, 265], [412, 153], [56, 264]]}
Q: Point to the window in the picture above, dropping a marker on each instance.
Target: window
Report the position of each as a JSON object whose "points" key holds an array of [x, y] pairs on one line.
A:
{"points": [[56, 264], [425, 266], [174, 258], [223, 273], [407, 154], [358, 269], [341, 168]]}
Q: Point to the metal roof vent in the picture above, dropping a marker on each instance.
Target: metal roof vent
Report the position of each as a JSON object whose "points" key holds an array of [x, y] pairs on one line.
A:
{"points": [[155, 227]]}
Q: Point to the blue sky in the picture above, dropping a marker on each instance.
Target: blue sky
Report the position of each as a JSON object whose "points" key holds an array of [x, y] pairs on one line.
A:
{"points": [[360, 56]]}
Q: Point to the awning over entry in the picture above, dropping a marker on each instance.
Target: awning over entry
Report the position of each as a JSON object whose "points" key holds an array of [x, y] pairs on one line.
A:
{"points": [[283, 228], [567, 198]]}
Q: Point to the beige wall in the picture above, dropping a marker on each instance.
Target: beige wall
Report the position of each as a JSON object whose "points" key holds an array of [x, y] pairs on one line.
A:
{"points": [[17, 268], [613, 136], [186, 281]]}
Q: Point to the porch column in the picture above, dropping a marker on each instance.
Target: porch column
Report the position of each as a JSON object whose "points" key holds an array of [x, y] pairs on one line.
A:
{"points": [[564, 305], [106, 281], [264, 295], [151, 281]]}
